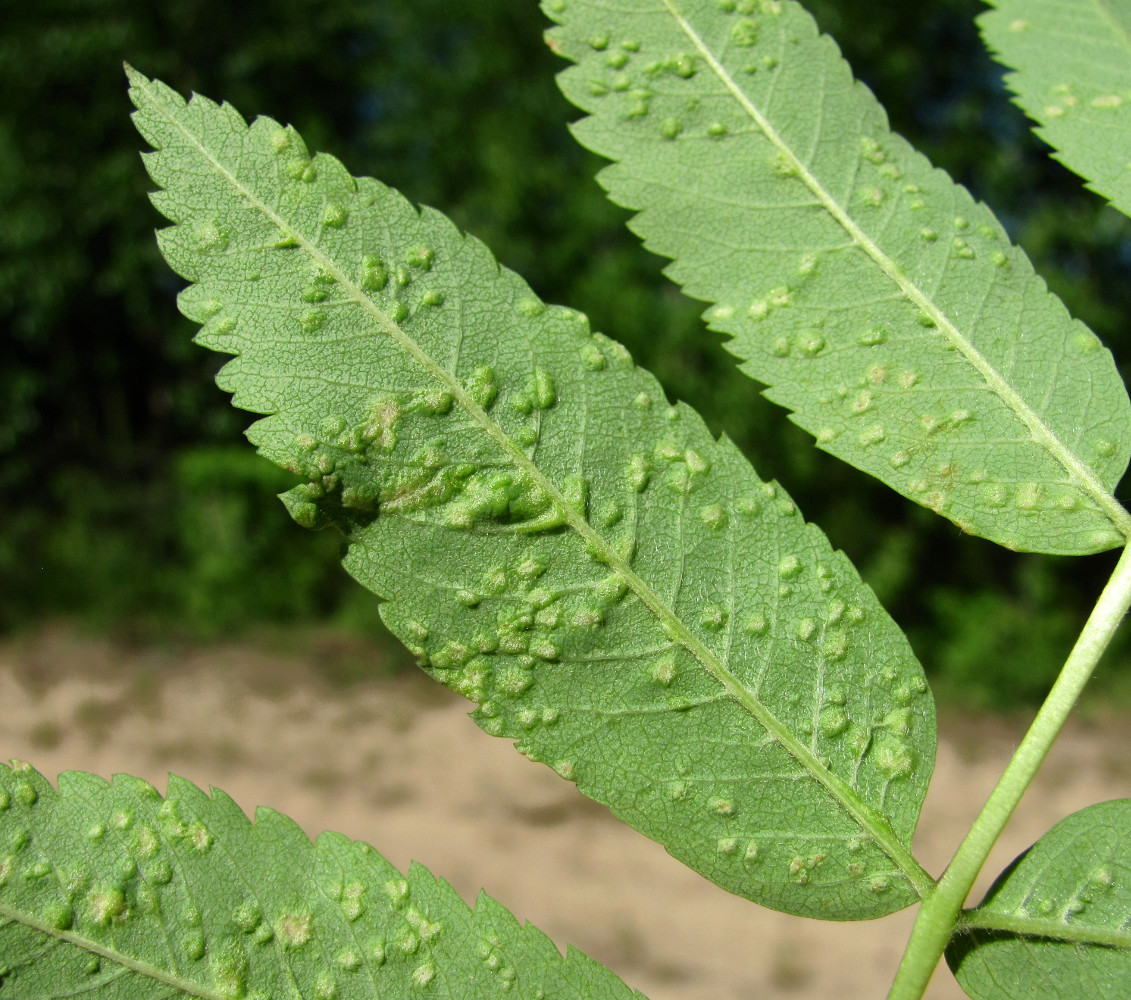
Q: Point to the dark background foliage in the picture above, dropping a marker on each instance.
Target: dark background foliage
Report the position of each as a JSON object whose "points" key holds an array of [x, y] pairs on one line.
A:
{"points": [[130, 500]]}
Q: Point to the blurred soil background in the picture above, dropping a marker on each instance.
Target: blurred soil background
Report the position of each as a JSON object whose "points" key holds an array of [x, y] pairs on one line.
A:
{"points": [[158, 609]]}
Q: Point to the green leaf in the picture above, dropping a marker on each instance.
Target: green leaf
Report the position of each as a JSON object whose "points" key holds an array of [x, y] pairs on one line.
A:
{"points": [[1055, 924], [616, 589], [1073, 63], [108, 890], [878, 301]]}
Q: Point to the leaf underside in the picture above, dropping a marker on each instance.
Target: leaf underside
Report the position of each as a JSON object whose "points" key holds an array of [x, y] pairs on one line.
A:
{"points": [[883, 306], [1057, 923], [1073, 77], [109, 891], [616, 589]]}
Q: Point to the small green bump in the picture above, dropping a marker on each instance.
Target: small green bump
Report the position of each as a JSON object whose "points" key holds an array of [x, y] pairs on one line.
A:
{"points": [[670, 128], [592, 358], [677, 790], [58, 915], [566, 769], [211, 238], [374, 275], [513, 681], [713, 616], [789, 567], [756, 624], [639, 472], [468, 598], [302, 170], [599, 42], [716, 130], [696, 463], [872, 434], [334, 215], [930, 235], [894, 758], [617, 60], [311, 320], [724, 808], [482, 386], [744, 33], [714, 516], [1029, 496], [664, 671], [545, 650], [107, 904], [806, 629], [588, 617], [544, 390], [749, 506], [834, 722], [531, 567], [871, 337], [684, 65], [727, 846]]}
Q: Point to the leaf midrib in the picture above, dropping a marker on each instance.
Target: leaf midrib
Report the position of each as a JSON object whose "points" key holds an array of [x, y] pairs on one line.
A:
{"points": [[1079, 472], [868, 819]]}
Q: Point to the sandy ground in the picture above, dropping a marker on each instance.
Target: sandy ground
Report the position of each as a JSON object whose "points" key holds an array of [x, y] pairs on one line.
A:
{"points": [[397, 763]]}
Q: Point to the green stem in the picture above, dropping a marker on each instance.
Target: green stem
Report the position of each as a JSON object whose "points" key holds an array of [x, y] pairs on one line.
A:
{"points": [[939, 913]]}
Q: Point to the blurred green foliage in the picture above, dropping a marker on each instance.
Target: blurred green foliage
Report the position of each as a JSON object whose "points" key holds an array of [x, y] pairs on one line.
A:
{"points": [[127, 492]]}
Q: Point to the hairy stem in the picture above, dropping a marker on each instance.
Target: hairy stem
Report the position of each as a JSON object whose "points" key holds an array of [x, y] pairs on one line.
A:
{"points": [[939, 913]]}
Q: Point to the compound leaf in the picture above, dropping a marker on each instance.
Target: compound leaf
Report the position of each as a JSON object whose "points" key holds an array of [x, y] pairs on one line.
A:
{"points": [[877, 300], [616, 589], [109, 891], [1057, 923], [1073, 77]]}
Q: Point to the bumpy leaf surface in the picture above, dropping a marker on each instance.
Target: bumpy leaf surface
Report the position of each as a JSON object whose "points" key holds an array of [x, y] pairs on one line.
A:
{"points": [[1057, 924], [883, 306], [1073, 63], [110, 891], [616, 589]]}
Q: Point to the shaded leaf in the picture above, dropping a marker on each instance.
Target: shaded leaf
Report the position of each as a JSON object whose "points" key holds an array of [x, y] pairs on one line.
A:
{"points": [[1057, 923], [108, 890], [617, 590], [1073, 77], [881, 305]]}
